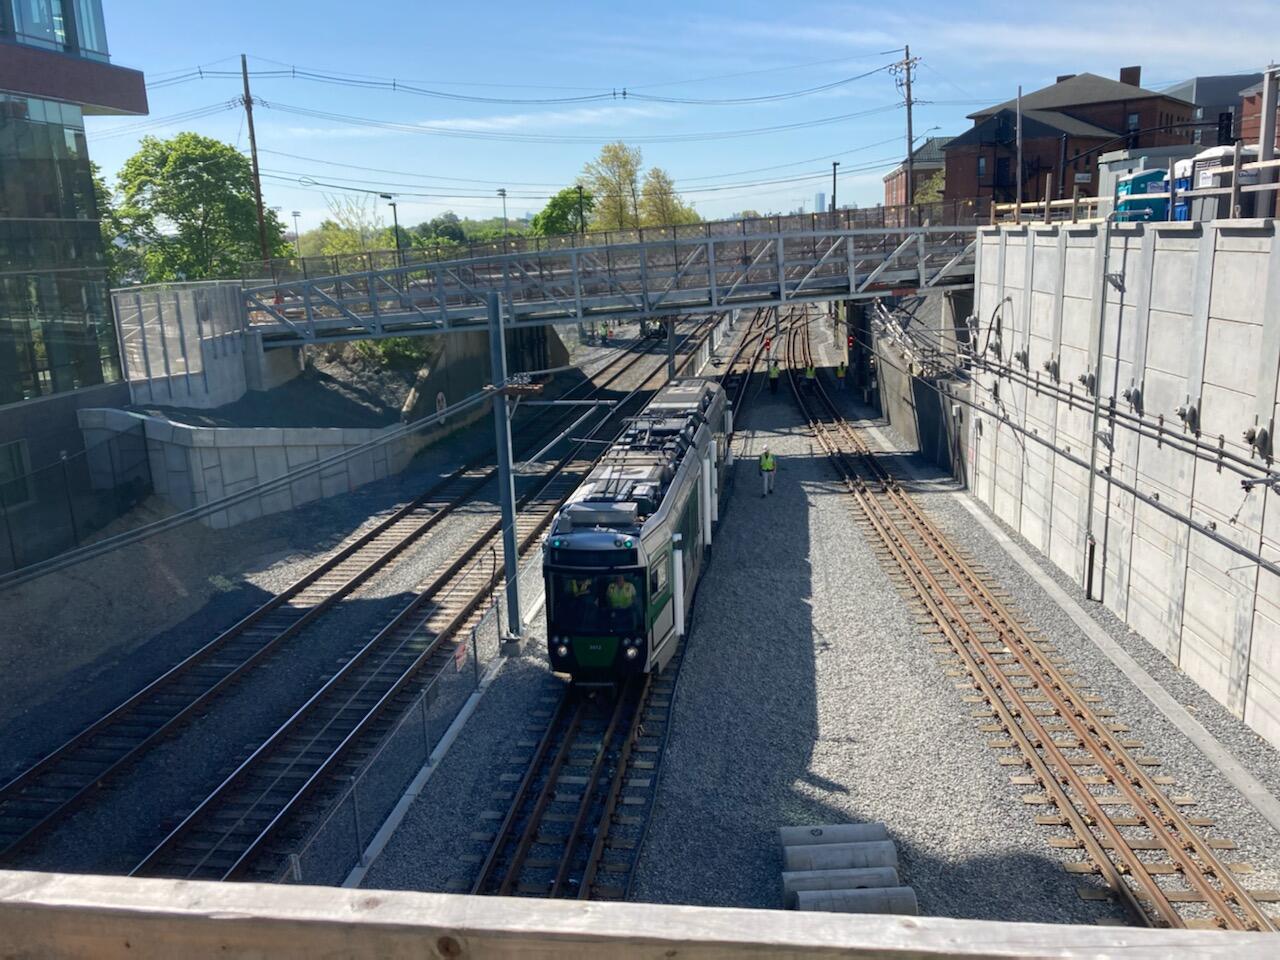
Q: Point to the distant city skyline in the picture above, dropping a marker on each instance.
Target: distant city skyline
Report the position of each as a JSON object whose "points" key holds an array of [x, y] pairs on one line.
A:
{"points": [[323, 134]]}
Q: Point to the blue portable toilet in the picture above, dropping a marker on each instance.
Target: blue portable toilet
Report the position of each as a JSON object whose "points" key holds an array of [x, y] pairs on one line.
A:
{"points": [[1132, 203], [1182, 183]]}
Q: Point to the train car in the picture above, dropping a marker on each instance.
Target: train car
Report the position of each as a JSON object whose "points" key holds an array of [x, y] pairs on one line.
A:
{"points": [[623, 556]]}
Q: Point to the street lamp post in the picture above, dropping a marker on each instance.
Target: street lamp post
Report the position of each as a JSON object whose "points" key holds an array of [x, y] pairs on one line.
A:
{"points": [[582, 223], [502, 192], [395, 220], [834, 164], [297, 234]]}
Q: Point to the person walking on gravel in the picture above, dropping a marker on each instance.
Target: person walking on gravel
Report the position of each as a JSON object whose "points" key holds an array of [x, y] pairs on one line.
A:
{"points": [[768, 468], [773, 377]]}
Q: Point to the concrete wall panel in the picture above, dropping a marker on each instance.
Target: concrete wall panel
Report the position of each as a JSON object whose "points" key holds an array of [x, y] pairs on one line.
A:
{"points": [[1201, 602]]}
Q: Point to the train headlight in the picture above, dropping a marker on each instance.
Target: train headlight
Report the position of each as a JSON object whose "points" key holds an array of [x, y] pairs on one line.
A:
{"points": [[633, 652], [562, 651]]}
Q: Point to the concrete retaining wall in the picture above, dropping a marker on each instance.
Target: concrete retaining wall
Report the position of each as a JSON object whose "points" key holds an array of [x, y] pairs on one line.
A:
{"points": [[1193, 325]]}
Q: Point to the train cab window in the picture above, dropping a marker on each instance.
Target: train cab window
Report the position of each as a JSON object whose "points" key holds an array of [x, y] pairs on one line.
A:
{"points": [[610, 603]]}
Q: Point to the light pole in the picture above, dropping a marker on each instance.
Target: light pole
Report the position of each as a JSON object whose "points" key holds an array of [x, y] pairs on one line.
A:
{"points": [[834, 164], [582, 223], [297, 235], [502, 192], [395, 219]]}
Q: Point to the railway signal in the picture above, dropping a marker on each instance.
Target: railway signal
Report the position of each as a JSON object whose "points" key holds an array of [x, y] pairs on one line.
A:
{"points": [[768, 344], [848, 342]]}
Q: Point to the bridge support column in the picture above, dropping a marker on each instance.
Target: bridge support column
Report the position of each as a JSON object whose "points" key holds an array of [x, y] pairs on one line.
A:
{"points": [[671, 348], [506, 480]]}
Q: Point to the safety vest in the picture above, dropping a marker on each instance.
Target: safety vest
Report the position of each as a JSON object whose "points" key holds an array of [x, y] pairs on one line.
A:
{"points": [[840, 371], [621, 595], [767, 463], [773, 372], [809, 372], [579, 588]]}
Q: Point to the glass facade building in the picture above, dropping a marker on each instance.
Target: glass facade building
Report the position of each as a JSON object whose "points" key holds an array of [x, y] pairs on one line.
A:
{"points": [[56, 332], [56, 329]]}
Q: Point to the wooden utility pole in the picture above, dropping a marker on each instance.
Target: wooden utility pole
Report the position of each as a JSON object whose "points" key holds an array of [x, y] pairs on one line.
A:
{"points": [[253, 156], [911, 167]]}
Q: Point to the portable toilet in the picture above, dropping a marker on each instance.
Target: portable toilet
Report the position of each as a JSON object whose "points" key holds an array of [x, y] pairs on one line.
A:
{"points": [[1131, 191], [1182, 183], [1212, 168]]}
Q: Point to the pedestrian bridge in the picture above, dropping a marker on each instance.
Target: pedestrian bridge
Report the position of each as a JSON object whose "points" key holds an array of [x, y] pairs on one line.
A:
{"points": [[652, 279]]}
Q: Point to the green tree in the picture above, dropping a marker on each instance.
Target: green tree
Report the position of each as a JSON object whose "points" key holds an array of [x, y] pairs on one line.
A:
{"points": [[614, 180], [930, 191], [188, 206], [119, 250], [660, 205], [562, 212]]}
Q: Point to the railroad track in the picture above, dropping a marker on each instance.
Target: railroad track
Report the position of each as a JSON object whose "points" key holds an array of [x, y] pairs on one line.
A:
{"points": [[575, 821], [248, 825], [1106, 802], [45, 794]]}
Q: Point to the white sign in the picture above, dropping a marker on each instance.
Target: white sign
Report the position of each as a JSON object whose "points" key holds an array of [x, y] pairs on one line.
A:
{"points": [[1084, 177]]}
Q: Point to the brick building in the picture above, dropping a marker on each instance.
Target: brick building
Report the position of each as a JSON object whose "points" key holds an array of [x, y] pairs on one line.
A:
{"points": [[1065, 126], [926, 160], [1251, 114]]}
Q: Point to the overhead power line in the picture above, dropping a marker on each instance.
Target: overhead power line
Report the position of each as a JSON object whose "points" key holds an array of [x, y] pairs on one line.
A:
{"points": [[462, 133]]}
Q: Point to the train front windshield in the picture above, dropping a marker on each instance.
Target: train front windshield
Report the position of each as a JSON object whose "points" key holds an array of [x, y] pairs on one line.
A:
{"points": [[586, 603]]}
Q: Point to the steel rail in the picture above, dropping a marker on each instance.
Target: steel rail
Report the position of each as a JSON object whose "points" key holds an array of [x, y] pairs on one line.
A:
{"points": [[585, 802], [1089, 729], [228, 786], [631, 693], [12, 791], [954, 626]]}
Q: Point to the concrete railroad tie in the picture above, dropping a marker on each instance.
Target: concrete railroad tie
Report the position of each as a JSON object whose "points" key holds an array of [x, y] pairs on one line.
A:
{"points": [[843, 868]]}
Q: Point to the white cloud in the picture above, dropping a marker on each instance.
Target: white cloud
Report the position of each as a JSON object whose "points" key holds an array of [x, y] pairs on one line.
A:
{"points": [[546, 120]]}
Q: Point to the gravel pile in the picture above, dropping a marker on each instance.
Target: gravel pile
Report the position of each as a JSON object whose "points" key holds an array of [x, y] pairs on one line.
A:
{"points": [[808, 696], [1194, 773]]}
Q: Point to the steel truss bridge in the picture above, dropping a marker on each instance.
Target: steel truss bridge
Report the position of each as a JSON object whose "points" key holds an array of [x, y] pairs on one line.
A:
{"points": [[652, 280]]}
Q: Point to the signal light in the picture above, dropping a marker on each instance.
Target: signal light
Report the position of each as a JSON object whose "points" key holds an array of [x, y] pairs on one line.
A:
{"points": [[849, 341], [768, 343]]}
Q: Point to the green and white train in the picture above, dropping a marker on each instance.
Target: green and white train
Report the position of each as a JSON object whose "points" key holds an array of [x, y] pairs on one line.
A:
{"points": [[624, 554]]}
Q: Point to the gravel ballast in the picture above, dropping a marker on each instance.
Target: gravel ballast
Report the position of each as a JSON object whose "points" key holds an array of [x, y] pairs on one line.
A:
{"points": [[1193, 772], [808, 695]]}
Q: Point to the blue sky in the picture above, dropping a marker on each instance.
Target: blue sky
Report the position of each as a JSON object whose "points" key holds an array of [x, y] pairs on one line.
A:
{"points": [[972, 54]]}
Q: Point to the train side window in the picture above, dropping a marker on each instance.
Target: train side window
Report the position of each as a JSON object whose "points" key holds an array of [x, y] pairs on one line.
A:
{"points": [[658, 576]]}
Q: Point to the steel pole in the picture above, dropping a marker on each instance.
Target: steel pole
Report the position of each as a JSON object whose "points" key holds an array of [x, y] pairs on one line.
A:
{"points": [[671, 348], [1264, 201], [506, 477]]}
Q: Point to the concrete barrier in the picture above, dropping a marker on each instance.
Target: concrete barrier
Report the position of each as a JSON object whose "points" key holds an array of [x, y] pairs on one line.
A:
{"points": [[899, 900], [832, 833], [839, 856], [795, 881]]}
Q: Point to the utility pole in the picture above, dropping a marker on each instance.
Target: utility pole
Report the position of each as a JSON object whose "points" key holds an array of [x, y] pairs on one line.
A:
{"points": [[506, 479], [297, 233], [908, 65], [834, 164], [253, 155], [582, 223], [502, 192], [1017, 177]]}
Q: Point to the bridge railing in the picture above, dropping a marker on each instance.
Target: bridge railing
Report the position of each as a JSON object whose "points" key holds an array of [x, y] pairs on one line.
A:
{"points": [[621, 281], [283, 269]]}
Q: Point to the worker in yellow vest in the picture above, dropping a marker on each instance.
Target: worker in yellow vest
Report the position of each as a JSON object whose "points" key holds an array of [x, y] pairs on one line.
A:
{"points": [[768, 468], [840, 372], [621, 594], [773, 377], [810, 375]]}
